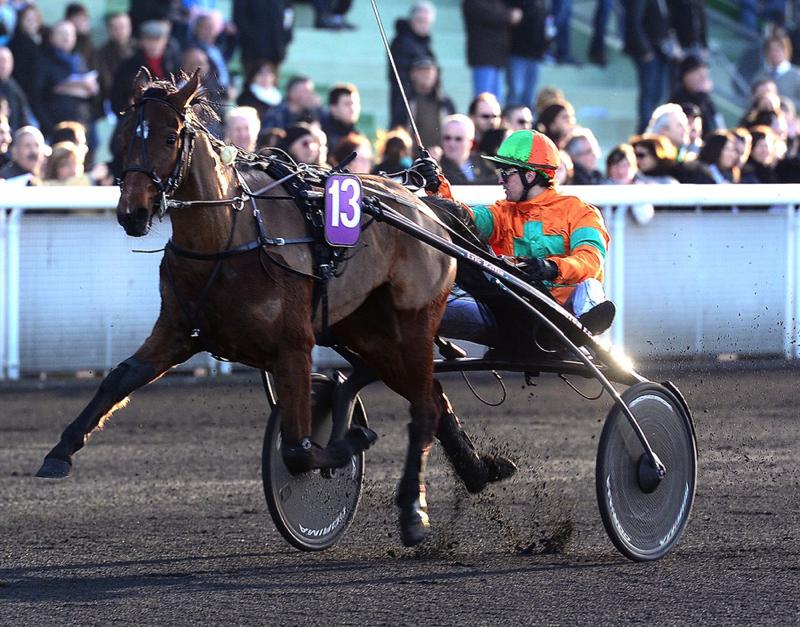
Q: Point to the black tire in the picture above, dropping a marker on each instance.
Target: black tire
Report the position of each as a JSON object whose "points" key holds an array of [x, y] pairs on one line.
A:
{"points": [[313, 510], [645, 522]]}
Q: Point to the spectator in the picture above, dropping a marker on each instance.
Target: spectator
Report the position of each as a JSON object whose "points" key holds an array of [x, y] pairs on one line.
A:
{"points": [[65, 166], [269, 138], [491, 141], [265, 30], [744, 144], [73, 132], [412, 41], [565, 169], [28, 153], [260, 89], [27, 52], [241, 128], [655, 158], [484, 111], [301, 144], [557, 121], [695, 119], [78, 14], [488, 25], [584, 150], [397, 151], [300, 105], [142, 11], [64, 86], [528, 45], [322, 140], [688, 20], [647, 42], [621, 168], [778, 66], [118, 48], [670, 121], [547, 95], [207, 29], [516, 118], [5, 140], [790, 113], [720, 155], [330, 14], [152, 54], [762, 155], [359, 144], [459, 164], [562, 15], [344, 110], [195, 59], [696, 87], [597, 45], [429, 104], [8, 22], [10, 90]]}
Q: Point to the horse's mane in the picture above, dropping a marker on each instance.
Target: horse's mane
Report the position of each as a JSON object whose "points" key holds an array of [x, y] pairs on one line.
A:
{"points": [[202, 110]]}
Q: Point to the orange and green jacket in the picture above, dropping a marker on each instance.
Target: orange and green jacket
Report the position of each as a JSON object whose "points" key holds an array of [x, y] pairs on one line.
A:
{"points": [[563, 229]]}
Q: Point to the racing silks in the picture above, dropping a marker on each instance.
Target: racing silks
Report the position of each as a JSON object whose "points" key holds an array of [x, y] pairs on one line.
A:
{"points": [[561, 228]]}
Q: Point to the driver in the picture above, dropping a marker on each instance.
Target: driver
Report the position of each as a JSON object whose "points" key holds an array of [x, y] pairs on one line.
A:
{"points": [[558, 240]]}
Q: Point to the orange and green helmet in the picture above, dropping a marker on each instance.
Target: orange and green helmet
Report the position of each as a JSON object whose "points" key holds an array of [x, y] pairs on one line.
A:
{"points": [[529, 150]]}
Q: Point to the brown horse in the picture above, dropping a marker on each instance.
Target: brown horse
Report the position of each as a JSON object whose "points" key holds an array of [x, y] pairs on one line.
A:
{"points": [[255, 304]]}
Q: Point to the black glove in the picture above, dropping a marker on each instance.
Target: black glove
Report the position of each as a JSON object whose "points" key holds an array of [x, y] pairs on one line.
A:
{"points": [[537, 269], [428, 168]]}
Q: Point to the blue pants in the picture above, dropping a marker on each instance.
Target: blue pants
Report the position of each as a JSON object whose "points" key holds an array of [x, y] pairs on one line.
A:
{"points": [[523, 76], [562, 12], [489, 78], [467, 319], [653, 86]]}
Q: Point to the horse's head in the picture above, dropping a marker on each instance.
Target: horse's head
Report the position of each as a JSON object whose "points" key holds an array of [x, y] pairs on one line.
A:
{"points": [[156, 142]]}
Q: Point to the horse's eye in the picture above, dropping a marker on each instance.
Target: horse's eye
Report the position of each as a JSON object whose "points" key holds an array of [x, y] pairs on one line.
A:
{"points": [[171, 139]]}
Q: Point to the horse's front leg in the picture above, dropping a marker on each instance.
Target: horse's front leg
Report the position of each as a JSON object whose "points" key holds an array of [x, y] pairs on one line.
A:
{"points": [[162, 350]]}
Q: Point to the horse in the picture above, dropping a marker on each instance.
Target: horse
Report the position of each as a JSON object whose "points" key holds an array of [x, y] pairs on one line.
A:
{"points": [[248, 290]]}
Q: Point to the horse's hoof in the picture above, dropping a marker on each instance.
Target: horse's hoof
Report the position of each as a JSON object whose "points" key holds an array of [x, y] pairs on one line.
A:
{"points": [[413, 530], [298, 459], [54, 468], [360, 438], [499, 467]]}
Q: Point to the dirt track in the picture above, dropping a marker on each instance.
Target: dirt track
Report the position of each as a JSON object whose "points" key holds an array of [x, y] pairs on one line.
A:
{"points": [[164, 520]]}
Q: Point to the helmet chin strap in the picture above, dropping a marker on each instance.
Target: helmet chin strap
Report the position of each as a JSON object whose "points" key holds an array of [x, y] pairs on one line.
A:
{"points": [[527, 185]]}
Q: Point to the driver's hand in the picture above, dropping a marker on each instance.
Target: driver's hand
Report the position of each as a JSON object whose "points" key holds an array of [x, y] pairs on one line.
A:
{"points": [[537, 269], [429, 169]]}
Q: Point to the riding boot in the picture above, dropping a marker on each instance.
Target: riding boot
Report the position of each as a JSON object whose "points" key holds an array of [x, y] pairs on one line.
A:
{"points": [[414, 522]]}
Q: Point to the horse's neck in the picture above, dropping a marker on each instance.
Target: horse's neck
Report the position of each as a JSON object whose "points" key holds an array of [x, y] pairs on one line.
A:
{"points": [[205, 228]]}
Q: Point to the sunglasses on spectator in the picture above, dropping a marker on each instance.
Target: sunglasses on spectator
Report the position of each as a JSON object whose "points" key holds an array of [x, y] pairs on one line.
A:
{"points": [[453, 138], [488, 116], [505, 175], [640, 154]]}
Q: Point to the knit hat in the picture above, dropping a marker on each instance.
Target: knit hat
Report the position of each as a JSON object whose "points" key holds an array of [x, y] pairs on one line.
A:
{"points": [[690, 64], [293, 133]]}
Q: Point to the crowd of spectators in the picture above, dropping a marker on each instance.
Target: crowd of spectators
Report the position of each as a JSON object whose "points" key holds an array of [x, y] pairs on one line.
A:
{"points": [[56, 84]]}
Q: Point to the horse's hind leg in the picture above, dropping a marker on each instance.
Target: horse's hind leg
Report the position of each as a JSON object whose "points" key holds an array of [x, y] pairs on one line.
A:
{"points": [[475, 470], [161, 351]]}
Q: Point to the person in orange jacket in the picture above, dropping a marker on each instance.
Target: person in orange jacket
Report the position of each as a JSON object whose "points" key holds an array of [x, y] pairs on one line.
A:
{"points": [[560, 240]]}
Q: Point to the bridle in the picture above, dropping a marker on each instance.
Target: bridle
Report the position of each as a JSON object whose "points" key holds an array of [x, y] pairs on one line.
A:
{"points": [[186, 141]]}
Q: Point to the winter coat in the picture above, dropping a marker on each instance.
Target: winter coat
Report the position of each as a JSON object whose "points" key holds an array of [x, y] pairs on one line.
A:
{"points": [[646, 27], [406, 47], [528, 38], [263, 30], [54, 107], [488, 26]]}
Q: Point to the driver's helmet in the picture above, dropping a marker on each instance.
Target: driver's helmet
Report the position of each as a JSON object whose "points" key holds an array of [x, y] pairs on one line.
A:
{"points": [[529, 150]]}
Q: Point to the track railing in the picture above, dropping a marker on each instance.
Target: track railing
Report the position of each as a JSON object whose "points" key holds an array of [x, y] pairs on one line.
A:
{"points": [[716, 273]]}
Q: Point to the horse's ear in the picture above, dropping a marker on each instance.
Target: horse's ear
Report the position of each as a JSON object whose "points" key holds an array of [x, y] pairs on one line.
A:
{"points": [[185, 94], [142, 80]]}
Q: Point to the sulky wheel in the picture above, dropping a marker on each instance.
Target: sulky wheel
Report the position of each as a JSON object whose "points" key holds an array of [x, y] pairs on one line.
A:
{"points": [[314, 509], [643, 515]]}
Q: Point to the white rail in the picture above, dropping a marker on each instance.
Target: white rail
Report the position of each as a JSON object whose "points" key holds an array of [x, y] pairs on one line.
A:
{"points": [[689, 281]]}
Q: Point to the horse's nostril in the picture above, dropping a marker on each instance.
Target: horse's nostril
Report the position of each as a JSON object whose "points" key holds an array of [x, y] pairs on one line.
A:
{"points": [[140, 214]]}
